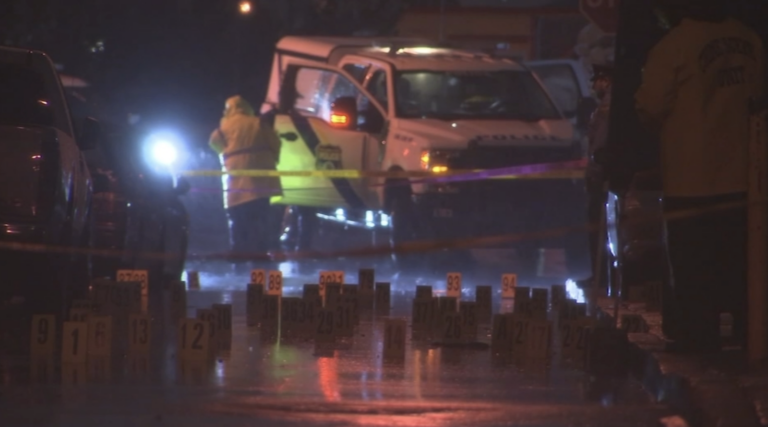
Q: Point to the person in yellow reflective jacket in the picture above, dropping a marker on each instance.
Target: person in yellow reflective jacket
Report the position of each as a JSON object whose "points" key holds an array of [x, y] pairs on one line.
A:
{"points": [[244, 142], [695, 93]]}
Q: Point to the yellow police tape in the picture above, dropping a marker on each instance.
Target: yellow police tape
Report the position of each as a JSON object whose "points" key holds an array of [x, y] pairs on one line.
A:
{"points": [[411, 247], [357, 174]]}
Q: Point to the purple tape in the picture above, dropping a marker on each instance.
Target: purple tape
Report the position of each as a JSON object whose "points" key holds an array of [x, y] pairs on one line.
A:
{"points": [[524, 170]]}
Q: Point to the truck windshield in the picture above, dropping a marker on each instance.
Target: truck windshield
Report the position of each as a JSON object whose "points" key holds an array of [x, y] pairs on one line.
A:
{"points": [[452, 95], [23, 97]]}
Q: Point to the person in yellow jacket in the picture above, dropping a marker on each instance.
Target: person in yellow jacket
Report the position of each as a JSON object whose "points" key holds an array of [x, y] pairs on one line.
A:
{"points": [[696, 88], [243, 142]]}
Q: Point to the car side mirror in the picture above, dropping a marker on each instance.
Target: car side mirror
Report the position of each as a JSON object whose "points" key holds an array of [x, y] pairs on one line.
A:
{"points": [[90, 132], [344, 113], [182, 186]]}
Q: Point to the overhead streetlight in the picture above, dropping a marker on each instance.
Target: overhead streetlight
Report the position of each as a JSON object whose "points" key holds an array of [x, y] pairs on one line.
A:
{"points": [[245, 7]]}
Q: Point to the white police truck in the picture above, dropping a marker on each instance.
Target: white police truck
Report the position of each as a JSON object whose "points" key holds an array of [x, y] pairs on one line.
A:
{"points": [[393, 104]]}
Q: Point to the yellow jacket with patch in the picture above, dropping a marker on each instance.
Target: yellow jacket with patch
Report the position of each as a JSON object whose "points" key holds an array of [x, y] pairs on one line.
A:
{"points": [[243, 142], [696, 87]]}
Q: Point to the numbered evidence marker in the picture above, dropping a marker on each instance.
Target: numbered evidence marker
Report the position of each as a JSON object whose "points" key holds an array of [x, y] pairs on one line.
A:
{"points": [[209, 315], [194, 340], [539, 303], [224, 325], [138, 276], [538, 339], [522, 301], [311, 291], [258, 277], [74, 347], [423, 318], [502, 335], [453, 285], [423, 292], [293, 317], [275, 283], [352, 292], [558, 297], [178, 294], [332, 292], [139, 334], [445, 305], [468, 311], [452, 332], [508, 285], [382, 298], [484, 300], [633, 323], [365, 279], [79, 315], [394, 340], [343, 309], [193, 280], [325, 332], [269, 318], [253, 294], [327, 277], [100, 336], [43, 336], [574, 339]]}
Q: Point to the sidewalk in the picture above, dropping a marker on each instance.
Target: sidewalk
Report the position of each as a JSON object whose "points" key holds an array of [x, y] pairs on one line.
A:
{"points": [[715, 390]]}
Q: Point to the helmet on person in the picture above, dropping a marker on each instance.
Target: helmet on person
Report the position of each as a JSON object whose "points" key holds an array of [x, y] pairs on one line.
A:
{"points": [[238, 105]]}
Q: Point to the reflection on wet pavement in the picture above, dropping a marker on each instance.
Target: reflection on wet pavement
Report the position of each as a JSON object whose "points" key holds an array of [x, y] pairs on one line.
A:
{"points": [[295, 382]]}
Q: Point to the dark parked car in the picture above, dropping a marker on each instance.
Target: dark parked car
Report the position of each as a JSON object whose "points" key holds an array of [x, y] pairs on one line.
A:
{"points": [[45, 185], [136, 206]]}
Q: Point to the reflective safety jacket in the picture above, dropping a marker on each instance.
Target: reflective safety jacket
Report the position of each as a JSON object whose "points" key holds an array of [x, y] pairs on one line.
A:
{"points": [[243, 142], [697, 83]]}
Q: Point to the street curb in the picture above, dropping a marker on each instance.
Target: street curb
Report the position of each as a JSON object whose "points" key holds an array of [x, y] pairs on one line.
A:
{"points": [[701, 397]]}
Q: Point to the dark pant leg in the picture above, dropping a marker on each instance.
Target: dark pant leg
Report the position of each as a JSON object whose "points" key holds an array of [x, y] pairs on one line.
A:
{"points": [[700, 245], [238, 228], [731, 286], [260, 222], [595, 207]]}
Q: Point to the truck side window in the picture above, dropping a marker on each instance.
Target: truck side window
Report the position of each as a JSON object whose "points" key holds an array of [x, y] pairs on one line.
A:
{"points": [[357, 71], [318, 89], [369, 118], [377, 86], [311, 84]]}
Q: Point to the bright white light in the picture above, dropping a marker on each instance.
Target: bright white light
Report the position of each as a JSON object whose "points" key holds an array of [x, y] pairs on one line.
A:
{"points": [[384, 220], [245, 7], [573, 291], [164, 152]]}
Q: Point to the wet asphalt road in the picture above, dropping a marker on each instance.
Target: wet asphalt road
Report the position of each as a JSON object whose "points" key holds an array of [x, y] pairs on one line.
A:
{"points": [[260, 383]]}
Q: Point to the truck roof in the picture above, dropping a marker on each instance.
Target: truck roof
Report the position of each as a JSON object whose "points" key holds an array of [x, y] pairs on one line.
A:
{"points": [[402, 53]]}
